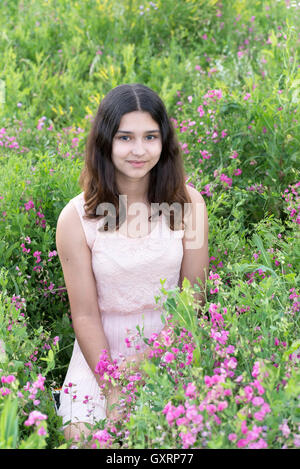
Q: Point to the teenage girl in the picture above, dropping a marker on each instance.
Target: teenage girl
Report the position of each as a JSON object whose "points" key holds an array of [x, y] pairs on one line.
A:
{"points": [[113, 260]]}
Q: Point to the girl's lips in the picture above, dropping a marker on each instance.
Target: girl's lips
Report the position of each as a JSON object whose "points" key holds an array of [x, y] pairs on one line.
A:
{"points": [[137, 164]]}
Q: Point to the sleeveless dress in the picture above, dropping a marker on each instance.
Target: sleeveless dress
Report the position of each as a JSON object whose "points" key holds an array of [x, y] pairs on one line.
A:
{"points": [[127, 272]]}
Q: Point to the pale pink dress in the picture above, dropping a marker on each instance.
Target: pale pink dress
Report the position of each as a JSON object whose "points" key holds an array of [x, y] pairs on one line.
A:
{"points": [[127, 273]]}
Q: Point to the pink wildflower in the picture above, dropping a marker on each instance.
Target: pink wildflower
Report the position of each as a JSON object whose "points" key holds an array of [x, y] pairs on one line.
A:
{"points": [[237, 172], [190, 390], [244, 428], [220, 337], [42, 431], [35, 418], [128, 343], [259, 387], [201, 111], [55, 340], [7, 379], [29, 205], [255, 370], [182, 421], [260, 444], [284, 428], [187, 439], [169, 357], [167, 339], [221, 406], [227, 180], [103, 437], [257, 401], [211, 409], [242, 443]]}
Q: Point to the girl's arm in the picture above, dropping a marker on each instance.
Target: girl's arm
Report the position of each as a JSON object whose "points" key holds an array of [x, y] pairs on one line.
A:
{"points": [[75, 258], [195, 262]]}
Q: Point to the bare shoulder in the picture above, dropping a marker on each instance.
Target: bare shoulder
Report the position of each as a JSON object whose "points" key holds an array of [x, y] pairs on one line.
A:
{"points": [[194, 194], [67, 214], [197, 216], [69, 229]]}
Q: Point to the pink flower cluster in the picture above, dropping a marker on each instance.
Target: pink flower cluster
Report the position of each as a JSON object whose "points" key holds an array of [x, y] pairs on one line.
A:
{"points": [[4, 391], [107, 369], [34, 387], [68, 389], [35, 418], [295, 307], [19, 303], [205, 155], [207, 190], [40, 216], [41, 123], [8, 379], [187, 415], [217, 332], [103, 437], [213, 95], [10, 142], [292, 197], [226, 180], [29, 205], [63, 141], [216, 280], [250, 437], [219, 389], [256, 188]]}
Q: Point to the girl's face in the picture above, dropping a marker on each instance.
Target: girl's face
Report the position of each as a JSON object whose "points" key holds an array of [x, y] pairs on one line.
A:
{"points": [[136, 146]]}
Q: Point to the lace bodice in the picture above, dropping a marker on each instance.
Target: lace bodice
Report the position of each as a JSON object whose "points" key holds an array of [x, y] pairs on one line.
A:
{"points": [[128, 270]]}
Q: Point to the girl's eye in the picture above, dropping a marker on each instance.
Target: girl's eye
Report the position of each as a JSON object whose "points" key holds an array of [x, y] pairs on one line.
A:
{"points": [[126, 138]]}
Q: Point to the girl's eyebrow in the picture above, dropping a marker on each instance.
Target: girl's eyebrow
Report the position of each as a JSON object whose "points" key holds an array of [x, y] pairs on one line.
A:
{"points": [[146, 132]]}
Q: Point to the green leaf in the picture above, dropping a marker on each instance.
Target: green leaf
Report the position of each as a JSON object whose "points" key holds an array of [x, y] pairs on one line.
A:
{"points": [[149, 368], [273, 38], [216, 442], [9, 424], [196, 357], [266, 258]]}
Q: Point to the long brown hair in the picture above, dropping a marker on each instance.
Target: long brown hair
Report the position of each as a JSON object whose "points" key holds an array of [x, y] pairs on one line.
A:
{"points": [[97, 178]]}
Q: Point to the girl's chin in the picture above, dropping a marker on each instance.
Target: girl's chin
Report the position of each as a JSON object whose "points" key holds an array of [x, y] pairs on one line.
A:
{"points": [[132, 175]]}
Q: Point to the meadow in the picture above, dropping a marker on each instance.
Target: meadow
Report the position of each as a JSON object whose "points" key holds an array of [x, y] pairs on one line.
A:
{"points": [[229, 73]]}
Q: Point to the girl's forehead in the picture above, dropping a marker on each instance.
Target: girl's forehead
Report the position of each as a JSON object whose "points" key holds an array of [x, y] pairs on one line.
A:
{"points": [[138, 120]]}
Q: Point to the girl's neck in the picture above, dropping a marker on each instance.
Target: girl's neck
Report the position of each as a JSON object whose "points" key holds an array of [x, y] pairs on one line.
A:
{"points": [[135, 191]]}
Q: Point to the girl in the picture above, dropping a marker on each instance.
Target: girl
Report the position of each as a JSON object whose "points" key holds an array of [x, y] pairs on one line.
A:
{"points": [[112, 259]]}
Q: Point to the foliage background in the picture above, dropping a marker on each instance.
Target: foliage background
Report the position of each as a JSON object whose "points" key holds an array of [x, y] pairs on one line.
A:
{"points": [[229, 73]]}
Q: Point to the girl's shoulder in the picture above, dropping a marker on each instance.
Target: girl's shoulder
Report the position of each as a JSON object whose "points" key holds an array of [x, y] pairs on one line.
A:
{"points": [[194, 194], [71, 220], [71, 208]]}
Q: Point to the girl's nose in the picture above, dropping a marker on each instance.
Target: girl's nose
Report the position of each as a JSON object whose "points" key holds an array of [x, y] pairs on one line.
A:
{"points": [[138, 148]]}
